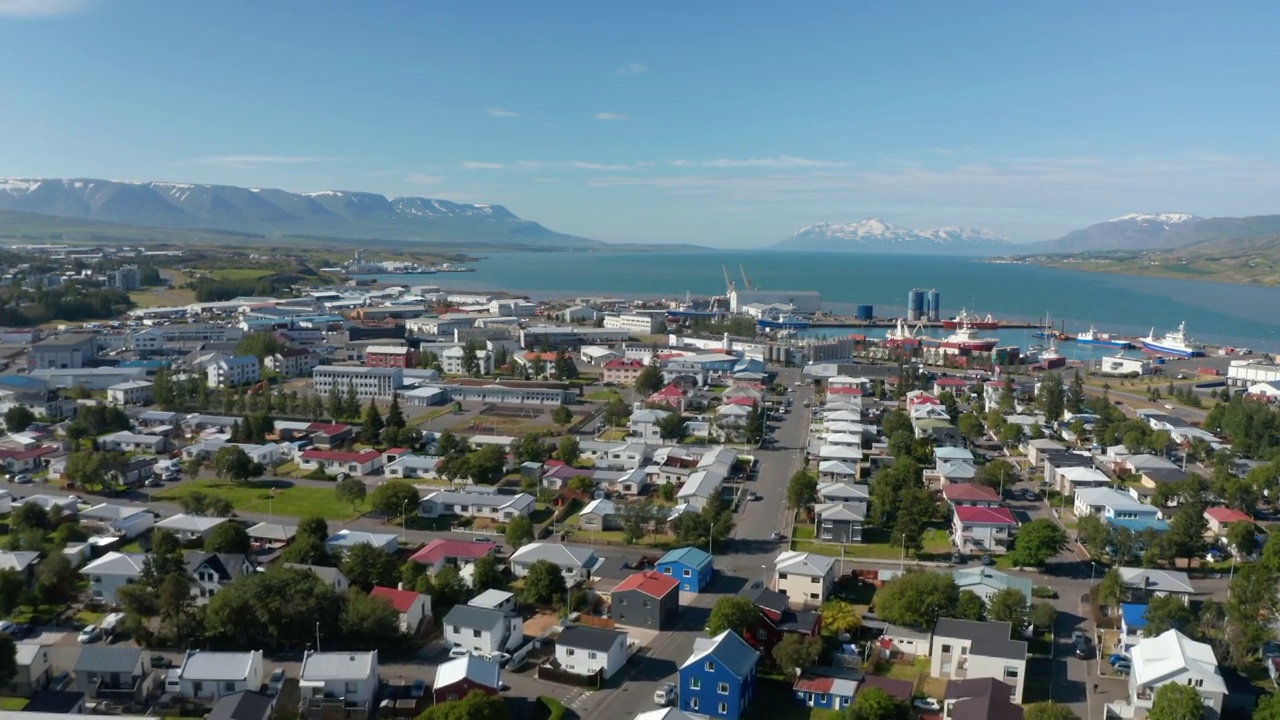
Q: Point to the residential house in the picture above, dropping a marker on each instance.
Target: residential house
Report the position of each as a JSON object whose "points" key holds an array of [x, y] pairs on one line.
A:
{"points": [[949, 472], [333, 462], [1172, 657], [111, 572], [128, 442], [827, 688], [837, 472], [210, 572], [968, 650], [1036, 449], [588, 651], [26, 460], [414, 607], [130, 392], [229, 372], [343, 540], [460, 676], [646, 599], [644, 424], [500, 600], [953, 455], [691, 566], [622, 371], [482, 630], [1133, 621], [1221, 518], [1069, 479], [840, 492], [600, 514], [293, 362], [971, 495], [476, 502], [207, 675], [777, 619], [458, 553], [982, 529], [126, 521], [330, 576], [112, 673], [805, 578], [1118, 509], [574, 561], [334, 682], [987, 581], [190, 528], [719, 678], [980, 699], [1145, 583], [271, 535], [410, 466], [840, 522], [23, 562], [249, 705], [34, 669]]}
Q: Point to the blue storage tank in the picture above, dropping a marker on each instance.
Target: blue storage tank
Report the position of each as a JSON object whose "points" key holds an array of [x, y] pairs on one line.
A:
{"points": [[915, 305], [864, 313]]}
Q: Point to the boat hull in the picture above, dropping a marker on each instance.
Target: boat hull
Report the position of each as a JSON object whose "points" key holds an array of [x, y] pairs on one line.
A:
{"points": [[1182, 352], [953, 324], [782, 325], [1124, 344]]}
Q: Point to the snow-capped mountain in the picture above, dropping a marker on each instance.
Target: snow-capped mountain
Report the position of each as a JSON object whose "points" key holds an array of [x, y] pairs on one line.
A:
{"points": [[1157, 218], [874, 235], [1135, 231], [331, 213]]}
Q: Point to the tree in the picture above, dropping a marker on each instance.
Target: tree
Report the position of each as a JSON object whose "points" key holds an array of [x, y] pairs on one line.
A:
{"points": [[582, 484], [995, 474], [371, 425], [637, 519], [970, 606], [796, 652], [259, 344], [394, 498], [1042, 614], [1051, 396], [448, 587], [917, 599], [1185, 537], [488, 464], [970, 426], [471, 358], [18, 418], [1268, 708], [1093, 532], [617, 412], [1242, 538], [165, 559], [1174, 701], [276, 610], [486, 575], [736, 613], [12, 587], [1049, 710], [233, 463], [1166, 612], [1009, 605], [563, 366], [916, 507], [544, 584], [672, 426], [840, 617], [351, 490], [1037, 542], [1111, 590], [366, 566], [802, 490], [368, 622], [568, 451], [30, 516], [562, 415], [56, 579], [229, 537], [872, 703], [519, 531], [475, 706]]}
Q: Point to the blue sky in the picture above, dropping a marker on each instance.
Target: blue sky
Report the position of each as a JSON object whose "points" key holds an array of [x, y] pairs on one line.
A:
{"points": [[729, 124]]}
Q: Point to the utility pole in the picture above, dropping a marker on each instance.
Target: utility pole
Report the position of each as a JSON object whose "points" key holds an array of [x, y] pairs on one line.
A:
{"points": [[711, 537], [404, 518]]}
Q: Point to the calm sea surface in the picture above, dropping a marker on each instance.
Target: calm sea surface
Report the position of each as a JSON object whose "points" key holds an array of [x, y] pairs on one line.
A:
{"points": [[1219, 313]]}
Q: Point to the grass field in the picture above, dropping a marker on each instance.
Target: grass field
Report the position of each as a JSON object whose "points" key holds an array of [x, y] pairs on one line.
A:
{"points": [[240, 273], [290, 500], [162, 297], [602, 395], [936, 542], [13, 704]]}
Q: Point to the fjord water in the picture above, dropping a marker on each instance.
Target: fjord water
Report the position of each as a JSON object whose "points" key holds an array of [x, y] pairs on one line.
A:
{"points": [[1241, 315]]}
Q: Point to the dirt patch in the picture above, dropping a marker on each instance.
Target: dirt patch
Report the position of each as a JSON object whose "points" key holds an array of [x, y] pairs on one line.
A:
{"points": [[540, 623]]}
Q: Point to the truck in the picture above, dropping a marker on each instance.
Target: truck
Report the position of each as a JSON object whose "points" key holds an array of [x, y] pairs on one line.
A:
{"points": [[111, 624], [665, 695]]}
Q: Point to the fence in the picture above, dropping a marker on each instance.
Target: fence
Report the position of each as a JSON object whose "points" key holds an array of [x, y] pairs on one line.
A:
{"points": [[593, 621], [563, 677]]}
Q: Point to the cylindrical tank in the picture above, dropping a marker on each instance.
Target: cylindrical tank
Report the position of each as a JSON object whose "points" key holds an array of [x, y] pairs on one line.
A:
{"points": [[935, 306], [915, 305], [864, 313]]}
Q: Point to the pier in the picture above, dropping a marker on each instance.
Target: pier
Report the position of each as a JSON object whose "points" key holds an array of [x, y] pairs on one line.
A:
{"points": [[852, 322]]}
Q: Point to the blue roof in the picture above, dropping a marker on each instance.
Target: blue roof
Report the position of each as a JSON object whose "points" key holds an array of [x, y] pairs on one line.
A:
{"points": [[22, 382], [691, 556], [1135, 616], [145, 363], [728, 649], [1139, 524]]}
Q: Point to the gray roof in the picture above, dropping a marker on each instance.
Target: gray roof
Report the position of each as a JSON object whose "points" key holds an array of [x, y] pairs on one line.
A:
{"points": [[853, 511], [590, 638], [242, 706], [562, 555], [273, 531], [19, 560], [205, 665], [103, 659], [476, 618], [324, 572], [986, 638], [728, 649], [338, 665], [1157, 580]]}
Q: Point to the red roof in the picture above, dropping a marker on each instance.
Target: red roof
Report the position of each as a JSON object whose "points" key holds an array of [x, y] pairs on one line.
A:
{"points": [[327, 428], [923, 399], [985, 515], [401, 600], [340, 456], [34, 452], [741, 400], [624, 363], [950, 382], [670, 391], [1226, 515], [441, 549], [814, 684], [650, 583], [970, 491]]}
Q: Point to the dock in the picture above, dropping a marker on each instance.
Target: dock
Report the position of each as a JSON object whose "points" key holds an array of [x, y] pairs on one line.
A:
{"points": [[850, 322]]}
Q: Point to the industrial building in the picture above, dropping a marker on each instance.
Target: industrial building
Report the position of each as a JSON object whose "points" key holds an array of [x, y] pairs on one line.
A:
{"points": [[802, 301]]}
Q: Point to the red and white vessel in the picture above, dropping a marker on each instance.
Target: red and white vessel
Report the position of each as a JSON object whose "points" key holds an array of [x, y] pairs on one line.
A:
{"points": [[965, 339], [964, 318]]}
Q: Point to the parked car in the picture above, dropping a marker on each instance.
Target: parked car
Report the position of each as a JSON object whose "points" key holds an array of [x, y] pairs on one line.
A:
{"points": [[499, 657], [665, 695], [1116, 659], [776, 535], [89, 634], [1124, 668], [957, 559], [1082, 651], [458, 651], [927, 704], [160, 662], [988, 560], [22, 478], [418, 689], [1077, 636], [275, 682]]}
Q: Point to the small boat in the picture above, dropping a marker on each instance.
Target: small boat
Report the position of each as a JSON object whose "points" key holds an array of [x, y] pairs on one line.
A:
{"points": [[1093, 337], [783, 322], [1174, 343]]}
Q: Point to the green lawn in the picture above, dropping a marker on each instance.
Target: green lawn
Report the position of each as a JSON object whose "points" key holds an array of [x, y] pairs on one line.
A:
{"points": [[289, 500], [936, 543], [13, 704], [239, 273], [602, 395]]}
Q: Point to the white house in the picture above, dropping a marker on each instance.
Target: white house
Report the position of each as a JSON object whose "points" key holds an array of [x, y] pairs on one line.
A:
{"points": [[1172, 657], [126, 521], [34, 669], [969, 650], [982, 529], [232, 371], [339, 461], [577, 563], [207, 675], [125, 441], [349, 676], [190, 528], [330, 576], [414, 607], [476, 502], [482, 630], [211, 572], [586, 650], [130, 392], [644, 424], [805, 578], [111, 572], [413, 467], [343, 540]]}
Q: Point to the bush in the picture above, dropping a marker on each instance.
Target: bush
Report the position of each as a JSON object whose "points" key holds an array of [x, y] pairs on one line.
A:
{"points": [[1043, 591], [318, 474], [554, 708]]}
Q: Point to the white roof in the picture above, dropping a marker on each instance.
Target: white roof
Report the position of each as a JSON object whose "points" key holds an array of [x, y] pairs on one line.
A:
{"points": [[1157, 580], [338, 665], [205, 665], [1084, 475], [469, 666], [562, 555], [840, 451], [1111, 498], [1164, 657], [803, 563], [837, 468], [116, 563], [190, 523], [600, 506]]}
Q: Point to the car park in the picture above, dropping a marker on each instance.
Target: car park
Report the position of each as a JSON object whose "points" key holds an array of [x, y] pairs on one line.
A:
{"points": [[89, 634]]}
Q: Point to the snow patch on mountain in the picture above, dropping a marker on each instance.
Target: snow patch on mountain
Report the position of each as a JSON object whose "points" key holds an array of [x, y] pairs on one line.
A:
{"points": [[873, 233], [1161, 218]]}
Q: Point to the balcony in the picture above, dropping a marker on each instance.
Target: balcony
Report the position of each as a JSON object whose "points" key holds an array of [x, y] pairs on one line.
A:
{"points": [[124, 690]]}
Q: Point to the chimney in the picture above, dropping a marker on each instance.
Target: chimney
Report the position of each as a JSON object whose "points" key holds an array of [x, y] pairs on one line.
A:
{"points": [[400, 585]]}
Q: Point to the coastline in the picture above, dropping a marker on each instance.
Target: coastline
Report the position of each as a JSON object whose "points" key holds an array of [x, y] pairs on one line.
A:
{"points": [[1267, 276]]}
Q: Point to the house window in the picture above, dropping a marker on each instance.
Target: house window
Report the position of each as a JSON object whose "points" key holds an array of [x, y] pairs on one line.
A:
{"points": [[693, 704], [475, 633], [646, 603], [761, 635], [724, 708], [568, 651], [688, 572], [722, 688], [695, 683], [1011, 672], [946, 649], [782, 576], [710, 666], [453, 696], [351, 688], [591, 656], [457, 629], [228, 687], [667, 570], [622, 601]]}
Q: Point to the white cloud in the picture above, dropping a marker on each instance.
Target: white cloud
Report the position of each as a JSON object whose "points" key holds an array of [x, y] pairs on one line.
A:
{"points": [[253, 161], [610, 116], [500, 113], [783, 161], [41, 8], [633, 69], [578, 164], [473, 165]]}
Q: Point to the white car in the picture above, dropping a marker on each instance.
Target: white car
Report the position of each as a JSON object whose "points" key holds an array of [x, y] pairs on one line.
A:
{"points": [[89, 634], [499, 657], [458, 651], [665, 695], [927, 704]]}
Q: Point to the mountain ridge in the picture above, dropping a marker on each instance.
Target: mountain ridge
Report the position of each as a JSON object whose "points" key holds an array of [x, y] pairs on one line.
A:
{"points": [[268, 211], [1157, 231], [875, 235]]}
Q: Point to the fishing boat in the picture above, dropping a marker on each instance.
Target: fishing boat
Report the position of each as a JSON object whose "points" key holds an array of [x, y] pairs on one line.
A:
{"points": [[901, 332], [966, 339], [1093, 337], [783, 322], [1174, 343], [987, 323]]}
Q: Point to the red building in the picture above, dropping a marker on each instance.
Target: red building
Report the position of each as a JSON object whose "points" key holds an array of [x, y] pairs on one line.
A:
{"points": [[777, 619], [393, 356], [459, 676]]}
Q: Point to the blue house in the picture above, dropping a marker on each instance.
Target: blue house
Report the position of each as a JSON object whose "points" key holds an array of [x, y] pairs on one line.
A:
{"points": [[1133, 620], [827, 688], [691, 566], [719, 679]]}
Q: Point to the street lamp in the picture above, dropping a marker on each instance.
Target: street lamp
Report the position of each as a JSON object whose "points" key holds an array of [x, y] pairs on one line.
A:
{"points": [[404, 517], [711, 537]]}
